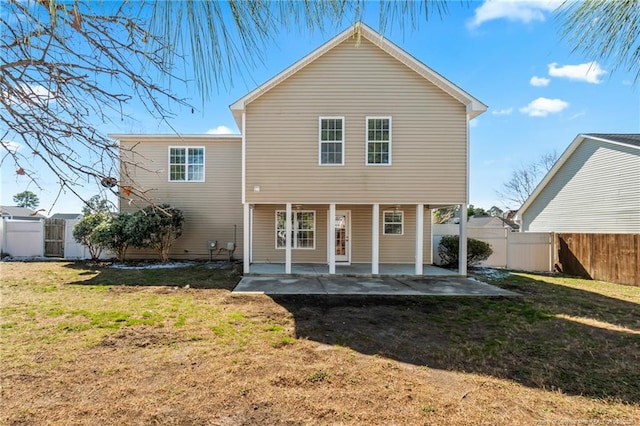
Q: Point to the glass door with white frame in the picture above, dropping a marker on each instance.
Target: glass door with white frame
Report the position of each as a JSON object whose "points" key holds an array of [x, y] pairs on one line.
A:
{"points": [[342, 231]]}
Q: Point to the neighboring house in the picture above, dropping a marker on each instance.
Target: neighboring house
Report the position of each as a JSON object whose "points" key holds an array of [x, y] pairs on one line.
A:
{"points": [[492, 222], [341, 159], [67, 216], [20, 213], [594, 187]]}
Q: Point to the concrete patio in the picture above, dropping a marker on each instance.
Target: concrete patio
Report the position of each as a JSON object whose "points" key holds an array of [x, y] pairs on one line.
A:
{"points": [[381, 286]]}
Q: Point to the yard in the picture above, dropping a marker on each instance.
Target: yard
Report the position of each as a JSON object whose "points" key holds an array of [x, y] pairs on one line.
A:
{"points": [[89, 344]]}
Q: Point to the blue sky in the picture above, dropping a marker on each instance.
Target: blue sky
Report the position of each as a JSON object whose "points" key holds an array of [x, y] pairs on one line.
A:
{"points": [[507, 54]]}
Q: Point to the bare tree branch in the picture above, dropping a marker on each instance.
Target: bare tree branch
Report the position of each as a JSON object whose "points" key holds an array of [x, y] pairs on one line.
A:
{"points": [[524, 180], [69, 67]]}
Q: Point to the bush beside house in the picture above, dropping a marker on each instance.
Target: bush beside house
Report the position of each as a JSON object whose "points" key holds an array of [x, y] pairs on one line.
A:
{"points": [[85, 233], [155, 227], [449, 249]]}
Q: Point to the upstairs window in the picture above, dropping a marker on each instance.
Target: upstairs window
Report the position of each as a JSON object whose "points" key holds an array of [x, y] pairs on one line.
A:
{"points": [[331, 148], [186, 164], [378, 140], [393, 222]]}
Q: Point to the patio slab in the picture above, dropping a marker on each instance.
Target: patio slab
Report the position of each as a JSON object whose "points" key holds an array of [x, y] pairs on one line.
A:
{"points": [[381, 286]]}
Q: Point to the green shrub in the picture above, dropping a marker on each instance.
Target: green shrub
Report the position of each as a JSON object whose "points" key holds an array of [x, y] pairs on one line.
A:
{"points": [[449, 248], [114, 234], [155, 227], [83, 232]]}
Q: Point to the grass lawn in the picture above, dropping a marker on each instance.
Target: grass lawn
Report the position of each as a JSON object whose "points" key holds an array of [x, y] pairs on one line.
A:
{"points": [[86, 344]]}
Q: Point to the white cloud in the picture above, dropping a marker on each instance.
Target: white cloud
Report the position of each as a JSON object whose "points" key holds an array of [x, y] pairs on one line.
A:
{"points": [[504, 111], [26, 94], [513, 10], [589, 72], [220, 130], [539, 81], [542, 107], [474, 122], [10, 146], [38, 93]]}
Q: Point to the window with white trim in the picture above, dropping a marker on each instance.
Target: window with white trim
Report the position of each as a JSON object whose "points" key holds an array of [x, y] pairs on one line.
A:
{"points": [[303, 229], [186, 164], [393, 222], [378, 140], [331, 140]]}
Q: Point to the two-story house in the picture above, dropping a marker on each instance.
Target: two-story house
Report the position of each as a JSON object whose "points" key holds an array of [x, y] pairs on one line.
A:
{"points": [[341, 159]]}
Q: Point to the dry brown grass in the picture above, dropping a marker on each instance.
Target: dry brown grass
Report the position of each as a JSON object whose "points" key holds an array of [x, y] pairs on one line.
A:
{"points": [[89, 345]]}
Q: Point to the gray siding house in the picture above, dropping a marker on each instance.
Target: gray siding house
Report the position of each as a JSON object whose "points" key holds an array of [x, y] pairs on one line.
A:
{"points": [[594, 187], [20, 213]]}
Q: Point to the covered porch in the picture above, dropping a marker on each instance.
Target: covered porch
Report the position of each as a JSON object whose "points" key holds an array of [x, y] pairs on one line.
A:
{"points": [[344, 239], [352, 270]]}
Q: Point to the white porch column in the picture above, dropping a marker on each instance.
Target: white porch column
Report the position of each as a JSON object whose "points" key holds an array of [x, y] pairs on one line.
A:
{"points": [[462, 255], [419, 237], [246, 238], [288, 242], [331, 238], [375, 239], [431, 248]]}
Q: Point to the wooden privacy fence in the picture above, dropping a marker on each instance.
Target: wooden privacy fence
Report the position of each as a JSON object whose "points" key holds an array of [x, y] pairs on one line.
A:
{"points": [[604, 257], [54, 237]]}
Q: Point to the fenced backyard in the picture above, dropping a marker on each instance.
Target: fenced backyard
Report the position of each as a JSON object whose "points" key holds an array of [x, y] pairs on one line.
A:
{"points": [[604, 257], [523, 251], [38, 238]]}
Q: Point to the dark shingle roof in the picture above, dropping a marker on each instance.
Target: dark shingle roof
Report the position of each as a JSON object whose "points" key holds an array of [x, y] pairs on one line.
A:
{"points": [[66, 216], [628, 138]]}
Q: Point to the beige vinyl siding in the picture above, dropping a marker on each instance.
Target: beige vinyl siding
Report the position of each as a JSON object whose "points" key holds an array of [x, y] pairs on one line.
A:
{"points": [[596, 190], [211, 208], [429, 134], [393, 248]]}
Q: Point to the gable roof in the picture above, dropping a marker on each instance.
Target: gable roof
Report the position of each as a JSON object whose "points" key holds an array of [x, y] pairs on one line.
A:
{"points": [[489, 221], [359, 29], [626, 139], [17, 211]]}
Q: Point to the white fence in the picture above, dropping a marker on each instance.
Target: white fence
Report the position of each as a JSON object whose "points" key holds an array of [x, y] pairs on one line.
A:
{"points": [[25, 238], [22, 238], [73, 249], [530, 251], [525, 251]]}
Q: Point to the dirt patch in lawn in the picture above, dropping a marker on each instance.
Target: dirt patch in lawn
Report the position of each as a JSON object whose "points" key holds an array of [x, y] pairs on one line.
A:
{"points": [[141, 337], [87, 345]]}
